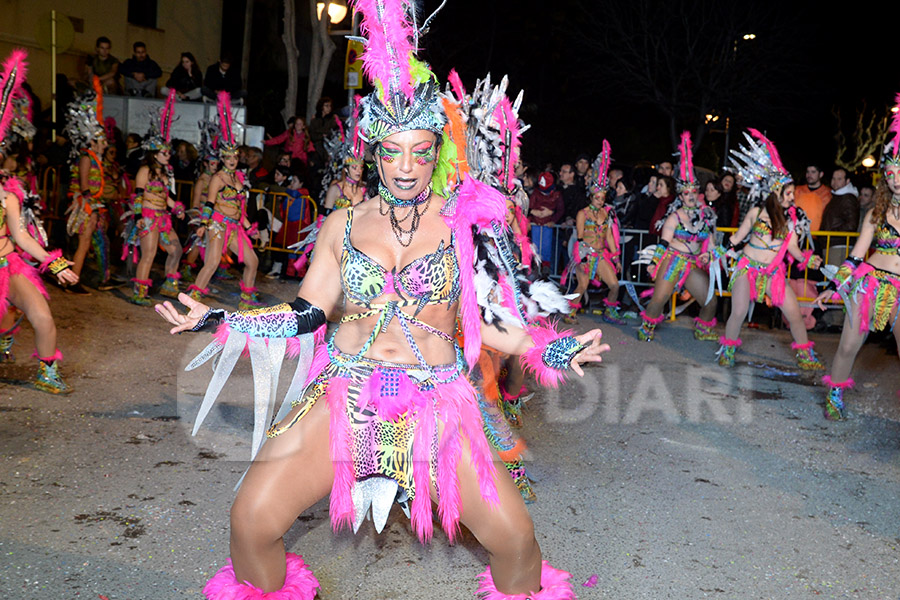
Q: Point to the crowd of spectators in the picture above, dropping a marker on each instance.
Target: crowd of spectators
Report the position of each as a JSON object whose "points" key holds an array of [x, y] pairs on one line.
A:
{"points": [[140, 75]]}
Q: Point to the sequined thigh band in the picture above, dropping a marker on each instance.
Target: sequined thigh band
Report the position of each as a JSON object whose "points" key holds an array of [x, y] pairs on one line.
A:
{"points": [[877, 292], [385, 440], [12, 264], [762, 277]]}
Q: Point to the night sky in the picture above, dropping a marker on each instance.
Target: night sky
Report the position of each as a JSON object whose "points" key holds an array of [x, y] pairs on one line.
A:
{"points": [[836, 59]]}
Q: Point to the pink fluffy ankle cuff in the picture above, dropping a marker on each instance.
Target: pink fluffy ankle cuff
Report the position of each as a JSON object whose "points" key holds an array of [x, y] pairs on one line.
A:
{"points": [[299, 584], [849, 383], [554, 586]]}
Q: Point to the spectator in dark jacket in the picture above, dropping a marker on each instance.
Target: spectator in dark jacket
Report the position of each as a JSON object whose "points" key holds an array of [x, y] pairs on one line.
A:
{"points": [[625, 202], [545, 209], [222, 76], [842, 212], [140, 72], [646, 205], [725, 206], [186, 79]]}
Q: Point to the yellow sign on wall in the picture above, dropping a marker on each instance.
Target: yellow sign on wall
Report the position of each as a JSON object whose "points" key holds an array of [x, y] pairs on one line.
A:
{"points": [[353, 66]]}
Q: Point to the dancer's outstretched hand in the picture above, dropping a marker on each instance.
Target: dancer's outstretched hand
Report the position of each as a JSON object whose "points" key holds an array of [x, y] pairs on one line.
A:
{"points": [[182, 322], [593, 351], [67, 276], [821, 298]]}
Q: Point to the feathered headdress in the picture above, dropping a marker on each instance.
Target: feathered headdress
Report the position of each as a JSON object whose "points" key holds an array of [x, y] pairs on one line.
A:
{"points": [[14, 70], [758, 166], [85, 119], [209, 134], [600, 177], [159, 137], [890, 156], [406, 92], [687, 179], [227, 143], [344, 147]]}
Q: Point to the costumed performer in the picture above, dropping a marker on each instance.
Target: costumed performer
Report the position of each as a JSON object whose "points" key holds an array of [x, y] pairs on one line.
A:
{"points": [[682, 258], [870, 287], [154, 205], [342, 183], [596, 256], [207, 166], [224, 218], [88, 212], [774, 226], [390, 404], [20, 284]]}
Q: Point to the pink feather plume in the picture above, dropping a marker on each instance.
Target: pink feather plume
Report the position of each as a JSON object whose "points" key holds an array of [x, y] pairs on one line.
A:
{"points": [[687, 157], [167, 116], [14, 70], [773, 152], [456, 85], [389, 30], [224, 106], [895, 128], [509, 135]]}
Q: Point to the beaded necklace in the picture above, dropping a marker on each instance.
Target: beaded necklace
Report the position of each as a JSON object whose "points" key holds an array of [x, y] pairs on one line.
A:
{"points": [[386, 197]]}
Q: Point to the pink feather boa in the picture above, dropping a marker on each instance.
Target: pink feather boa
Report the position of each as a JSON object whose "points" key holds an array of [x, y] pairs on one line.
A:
{"points": [[532, 360], [849, 383], [16, 266], [299, 583], [555, 585]]}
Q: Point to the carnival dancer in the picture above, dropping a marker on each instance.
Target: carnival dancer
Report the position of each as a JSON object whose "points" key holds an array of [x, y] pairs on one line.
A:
{"points": [[224, 218], [207, 166], [342, 183], [774, 228], [87, 210], [596, 255], [391, 371], [20, 284], [115, 190], [870, 287], [682, 257], [154, 205]]}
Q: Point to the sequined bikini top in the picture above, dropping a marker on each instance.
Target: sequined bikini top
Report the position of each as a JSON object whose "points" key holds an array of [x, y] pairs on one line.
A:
{"points": [[887, 239], [157, 188], [430, 279], [682, 234], [231, 196]]}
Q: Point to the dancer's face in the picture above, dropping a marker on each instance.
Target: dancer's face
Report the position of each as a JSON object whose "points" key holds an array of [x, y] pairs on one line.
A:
{"points": [[598, 198], [163, 156], [406, 161], [892, 176], [787, 195], [355, 172], [689, 196], [230, 162]]}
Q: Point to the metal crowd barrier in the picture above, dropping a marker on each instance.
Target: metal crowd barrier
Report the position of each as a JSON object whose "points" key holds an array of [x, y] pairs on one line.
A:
{"points": [[832, 246]]}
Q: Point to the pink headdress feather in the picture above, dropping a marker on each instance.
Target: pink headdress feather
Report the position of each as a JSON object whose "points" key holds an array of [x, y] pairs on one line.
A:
{"points": [[687, 158], [509, 138], [223, 101], [895, 129], [773, 152], [389, 30], [456, 85], [14, 70], [167, 117]]}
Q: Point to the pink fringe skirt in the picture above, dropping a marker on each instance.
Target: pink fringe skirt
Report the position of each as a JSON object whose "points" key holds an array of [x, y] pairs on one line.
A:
{"points": [[399, 422], [12, 264], [761, 277], [877, 293]]}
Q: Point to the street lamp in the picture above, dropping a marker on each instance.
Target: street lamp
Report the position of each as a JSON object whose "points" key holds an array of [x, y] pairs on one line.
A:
{"points": [[749, 36], [337, 10], [868, 162]]}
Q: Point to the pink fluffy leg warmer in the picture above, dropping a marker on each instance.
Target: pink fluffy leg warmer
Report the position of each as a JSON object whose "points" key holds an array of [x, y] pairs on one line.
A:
{"points": [[554, 586], [299, 584]]}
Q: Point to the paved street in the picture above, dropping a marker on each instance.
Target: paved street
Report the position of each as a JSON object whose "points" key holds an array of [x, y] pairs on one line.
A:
{"points": [[661, 474]]}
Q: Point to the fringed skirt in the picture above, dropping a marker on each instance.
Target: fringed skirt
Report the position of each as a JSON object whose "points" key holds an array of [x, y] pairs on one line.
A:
{"points": [[395, 431], [232, 230], [678, 267], [877, 292], [10, 265], [762, 277], [156, 219]]}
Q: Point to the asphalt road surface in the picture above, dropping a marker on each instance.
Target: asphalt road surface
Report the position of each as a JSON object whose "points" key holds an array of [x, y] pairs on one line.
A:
{"points": [[659, 475]]}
